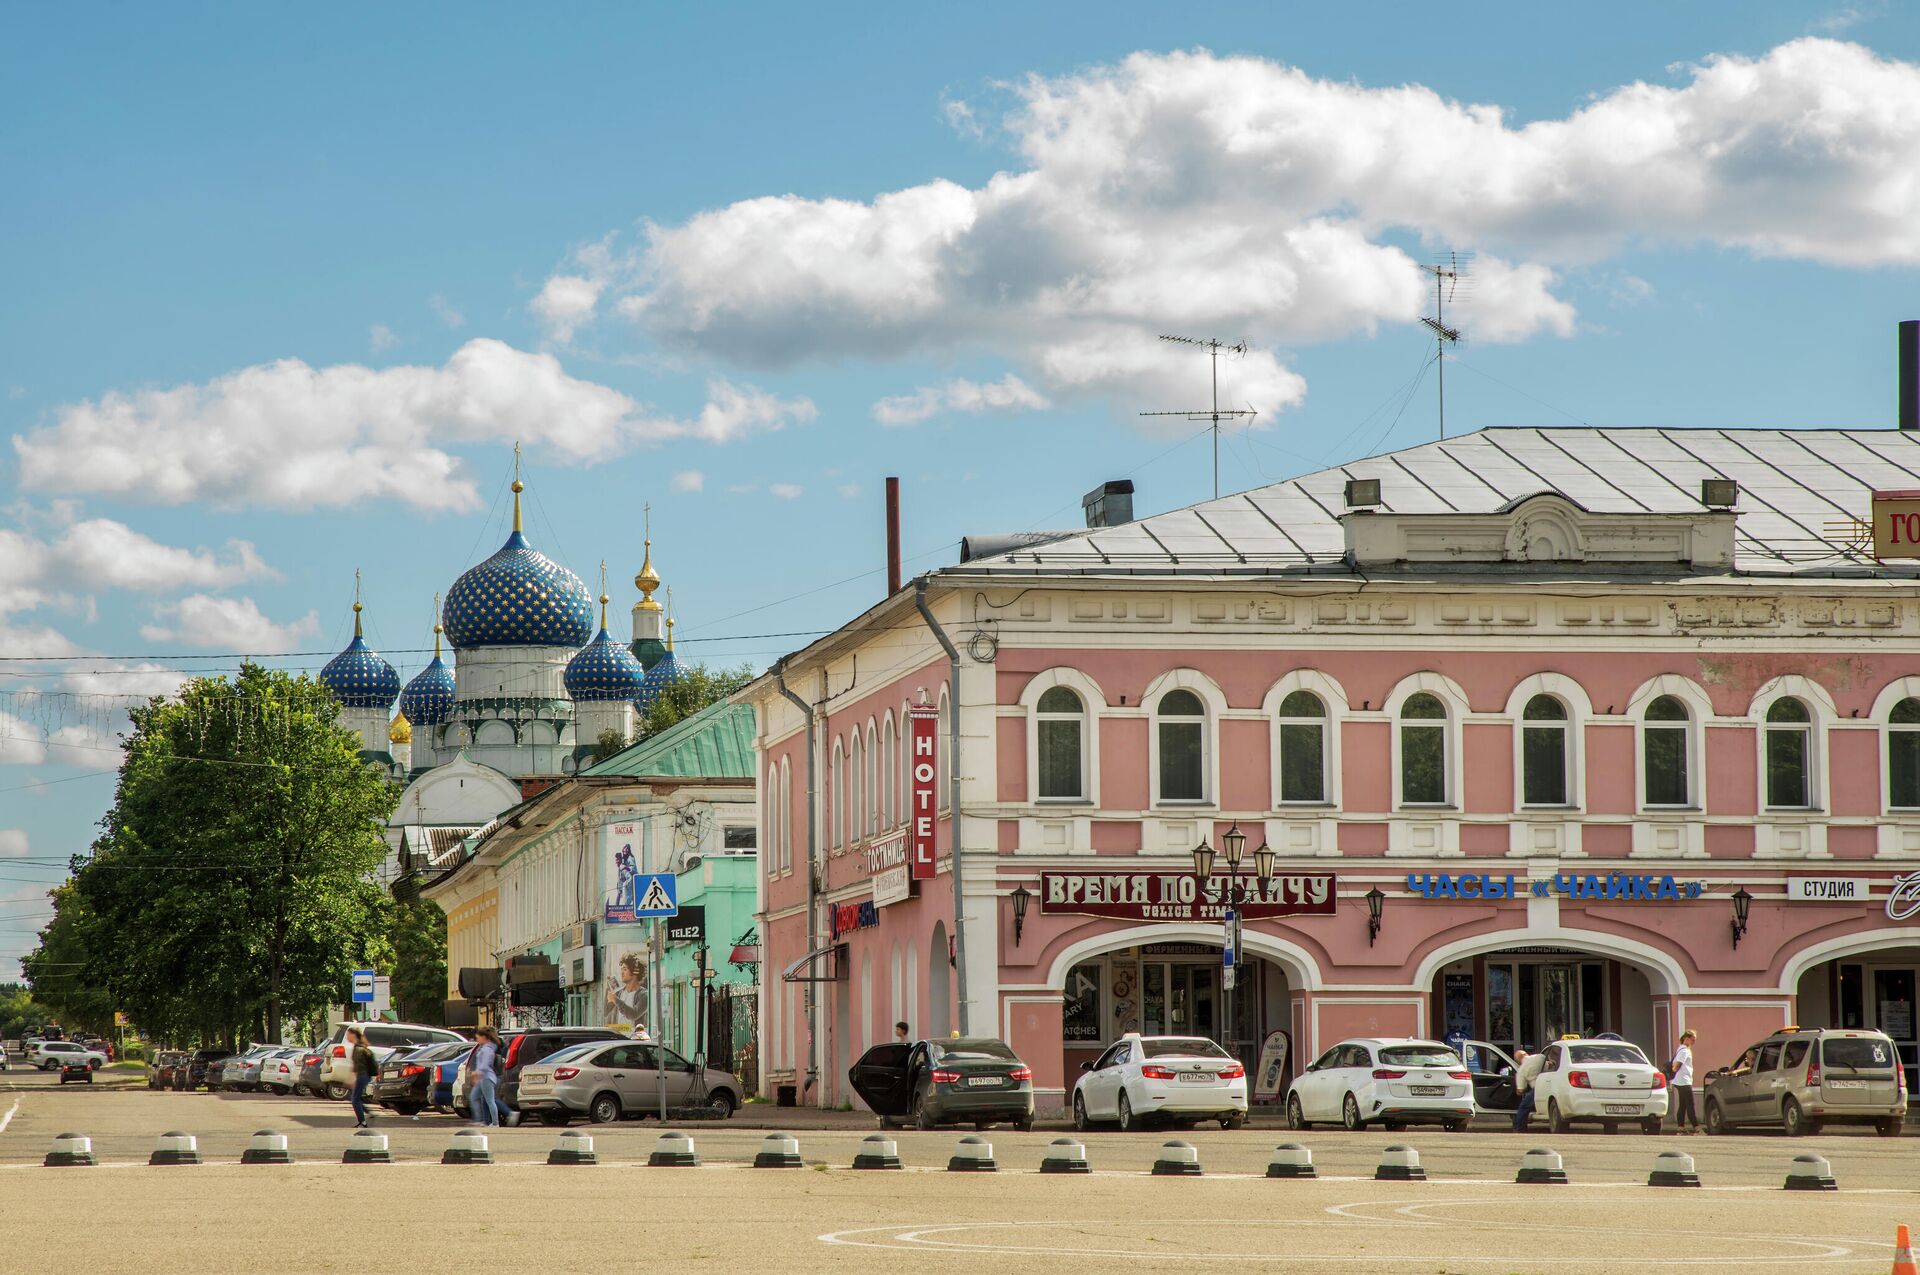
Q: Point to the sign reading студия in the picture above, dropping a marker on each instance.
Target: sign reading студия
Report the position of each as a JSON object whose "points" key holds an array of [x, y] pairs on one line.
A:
{"points": [[1180, 896]]}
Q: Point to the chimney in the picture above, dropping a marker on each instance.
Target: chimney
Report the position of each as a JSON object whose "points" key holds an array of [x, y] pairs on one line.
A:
{"points": [[1110, 504], [893, 536], [1909, 374]]}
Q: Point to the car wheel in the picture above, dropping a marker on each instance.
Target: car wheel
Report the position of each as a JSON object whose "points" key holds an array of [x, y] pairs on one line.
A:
{"points": [[604, 1110], [1793, 1120], [1454, 1126], [1889, 1128], [922, 1118], [1716, 1118], [1650, 1125], [1556, 1123], [1127, 1121], [1081, 1123], [1296, 1114], [721, 1104], [1350, 1115], [1236, 1121], [554, 1119], [981, 1126], [1023, 1125], [1393, 1126], [408, 1108], [338, 1093]]}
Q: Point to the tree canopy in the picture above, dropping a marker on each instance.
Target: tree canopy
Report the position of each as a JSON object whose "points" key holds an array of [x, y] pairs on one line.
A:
{"points": [[695, 688]]}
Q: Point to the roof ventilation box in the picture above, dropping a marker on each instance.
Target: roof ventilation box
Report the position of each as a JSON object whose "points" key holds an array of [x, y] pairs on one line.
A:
{"points": [[1110, 504]]}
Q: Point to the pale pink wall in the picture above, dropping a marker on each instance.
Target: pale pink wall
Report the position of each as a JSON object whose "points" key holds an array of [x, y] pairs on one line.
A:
{"points": [[1487, 767], [1341, 1019], [1724, 1030], [1366, 776], [1733, 783], [1010, 737], [1246, 780], [1729, 841], [1854, 771], [1852, 843], [1123, 763], [1606, 841], [1009, 835], [1116, 836], [1484, 839], [1034, 1029], [1610, 770], [1363, 839]]}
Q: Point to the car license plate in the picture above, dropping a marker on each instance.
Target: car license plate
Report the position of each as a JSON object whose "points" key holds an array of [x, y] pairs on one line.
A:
{"points": [[983, 1080], [1428, 1091], [1846, 1084], [1622, 1109], [1197, 1077]]}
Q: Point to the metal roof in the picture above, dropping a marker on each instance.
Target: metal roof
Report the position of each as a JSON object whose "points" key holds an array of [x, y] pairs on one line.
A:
{"points": [[714, 743], [1795, 485]]}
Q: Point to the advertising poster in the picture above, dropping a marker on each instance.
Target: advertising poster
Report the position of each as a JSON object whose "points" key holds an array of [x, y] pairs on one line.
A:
{"points": [[1271, 1078], [624, 988], [620, 854]]}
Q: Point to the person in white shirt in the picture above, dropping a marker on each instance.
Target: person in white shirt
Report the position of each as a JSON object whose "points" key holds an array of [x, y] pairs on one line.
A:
{"points": [[1680, 1073], [1528, 1071]]}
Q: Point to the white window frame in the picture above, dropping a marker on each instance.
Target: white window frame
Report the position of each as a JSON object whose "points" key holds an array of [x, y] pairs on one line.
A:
{"points": [[856, 789], [1699, 713], [1213, 705], [837, 794], [1821, 714], [889, 755], [1573, 697], [1333, 697], [1092, 701], [873, 781], [1454, 700], [1883, 705]]}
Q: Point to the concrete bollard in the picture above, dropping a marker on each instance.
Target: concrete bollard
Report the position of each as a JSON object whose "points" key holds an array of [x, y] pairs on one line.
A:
{"points": [[267, 1147], [1810, 1173], [176, 1148], [972, 1155], [1541, 1165], [469, 1146], [1399, 1163], [1064, 1155], [1291, 1160], [71, 1150], [573, 1147], [673, 1151], [1177, 1159], [1673, 1168], [779, 1151], [877, 1152], [366, 1147]]}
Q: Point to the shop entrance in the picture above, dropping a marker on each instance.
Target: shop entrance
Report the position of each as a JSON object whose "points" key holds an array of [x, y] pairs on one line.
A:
{"points": [[1875, 990], [1523, 998], [1171, 989]]}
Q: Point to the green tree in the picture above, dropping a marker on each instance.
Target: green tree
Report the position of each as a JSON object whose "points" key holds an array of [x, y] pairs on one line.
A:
{"points": [[230, 889], [59, 970], [693, 689], [20, 1013], [419, 939]]}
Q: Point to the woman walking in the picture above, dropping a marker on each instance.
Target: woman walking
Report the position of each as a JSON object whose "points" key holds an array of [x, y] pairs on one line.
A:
{"points": [[482, 1077], [1682, 1074], [363, 1069]]}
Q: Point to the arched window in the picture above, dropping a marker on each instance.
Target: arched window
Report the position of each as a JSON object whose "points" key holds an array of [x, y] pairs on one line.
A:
{"points": [[1423, 751], [903, 770], [1903, 755], [1303, 748], [943, 740], [1060, 736], [1789, 732], [888, 755], [873, 786], [1663, 752], [856, 788], [786, 816], [837, 786], [1543, 752], [1182, 728]]}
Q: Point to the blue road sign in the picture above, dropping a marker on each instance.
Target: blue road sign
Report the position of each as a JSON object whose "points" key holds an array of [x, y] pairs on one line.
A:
{"points": [[363, 987], [656, 894]]}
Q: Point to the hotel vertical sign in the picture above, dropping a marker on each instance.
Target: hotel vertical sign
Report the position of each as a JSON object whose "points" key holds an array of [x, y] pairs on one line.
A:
{"points": [[923, 775], [1896, 524]]}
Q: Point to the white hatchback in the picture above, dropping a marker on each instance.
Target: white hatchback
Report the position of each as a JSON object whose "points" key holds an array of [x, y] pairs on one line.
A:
{"points": [[1395, 1081], [1605, 1081], [1184, 1079]]}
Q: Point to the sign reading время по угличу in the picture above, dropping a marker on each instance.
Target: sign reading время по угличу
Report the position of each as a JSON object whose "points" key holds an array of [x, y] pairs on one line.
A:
{"points": [[1180, 896]]}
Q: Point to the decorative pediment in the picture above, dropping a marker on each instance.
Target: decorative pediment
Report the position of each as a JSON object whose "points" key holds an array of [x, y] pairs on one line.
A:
{"points": [[1543, 528]]}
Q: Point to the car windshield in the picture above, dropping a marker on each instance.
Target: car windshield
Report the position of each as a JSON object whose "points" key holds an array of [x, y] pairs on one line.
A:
{"points": [[1606, 1054], [1181, 1047], [1418, 1056], [1861, 1053], [963, 1050]]}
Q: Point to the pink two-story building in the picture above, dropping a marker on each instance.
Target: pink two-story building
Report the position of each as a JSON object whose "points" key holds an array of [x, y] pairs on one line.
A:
{"points": [[1549, 730]]}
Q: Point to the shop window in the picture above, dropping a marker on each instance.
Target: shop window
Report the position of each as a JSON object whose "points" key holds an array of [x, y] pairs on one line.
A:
{"points": [[1543, 752], [1423, 751], [1789, 732], [1060, 737], [1080, 1010], [1663, 752], [1182, 730], [1303, 748], [1903, 755]]}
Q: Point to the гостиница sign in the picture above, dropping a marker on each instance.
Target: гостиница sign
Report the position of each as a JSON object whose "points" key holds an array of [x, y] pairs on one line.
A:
{"points": [[1180, 896], [1590, 887]]}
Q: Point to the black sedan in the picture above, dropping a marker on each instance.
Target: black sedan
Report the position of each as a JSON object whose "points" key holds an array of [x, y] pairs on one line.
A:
{"points": [[936, 1082], [405, 1081]]}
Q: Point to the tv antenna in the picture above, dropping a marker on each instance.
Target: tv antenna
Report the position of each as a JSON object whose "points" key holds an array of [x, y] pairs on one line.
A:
{"points": [[1214, 348], [1448, 274]]}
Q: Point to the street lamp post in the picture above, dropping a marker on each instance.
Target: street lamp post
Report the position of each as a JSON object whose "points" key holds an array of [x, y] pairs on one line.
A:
{"points": [[1233, 849]]}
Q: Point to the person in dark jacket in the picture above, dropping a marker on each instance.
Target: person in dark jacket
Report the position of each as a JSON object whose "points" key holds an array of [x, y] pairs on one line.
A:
{"points": [[363, 1069]]}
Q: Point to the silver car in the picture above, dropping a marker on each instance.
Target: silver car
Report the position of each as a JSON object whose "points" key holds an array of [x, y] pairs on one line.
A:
{"points": [[1800, 1081], [605, 1082]]}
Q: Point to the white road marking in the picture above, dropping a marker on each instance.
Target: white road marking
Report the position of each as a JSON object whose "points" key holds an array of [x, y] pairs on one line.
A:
{"points": [[8, 1118]]}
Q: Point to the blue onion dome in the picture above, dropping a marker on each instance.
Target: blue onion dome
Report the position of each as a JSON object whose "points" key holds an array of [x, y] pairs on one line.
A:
{"points": [[604, 670], [664, 671], [429, 696], [518, 597], [358, 677]]}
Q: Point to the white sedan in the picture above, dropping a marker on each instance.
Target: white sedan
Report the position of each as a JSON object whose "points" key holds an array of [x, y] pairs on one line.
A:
{"points": [[1607, 1081], [1184, 1079], [1393, 1080]]}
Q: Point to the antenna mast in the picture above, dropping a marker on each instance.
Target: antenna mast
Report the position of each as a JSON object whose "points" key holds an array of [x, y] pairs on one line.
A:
{"points": [[1447, 276], [1214, 348]]}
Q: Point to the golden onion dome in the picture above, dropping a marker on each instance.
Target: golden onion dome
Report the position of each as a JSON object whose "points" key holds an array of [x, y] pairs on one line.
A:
{"points": [[401, 732]]}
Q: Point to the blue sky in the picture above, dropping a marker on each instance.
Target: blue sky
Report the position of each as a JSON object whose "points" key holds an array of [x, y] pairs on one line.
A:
{"points": [[282, 287]]}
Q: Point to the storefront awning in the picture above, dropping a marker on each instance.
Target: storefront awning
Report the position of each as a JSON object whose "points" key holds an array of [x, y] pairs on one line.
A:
{"points": [[822, 965], [745, 954]]}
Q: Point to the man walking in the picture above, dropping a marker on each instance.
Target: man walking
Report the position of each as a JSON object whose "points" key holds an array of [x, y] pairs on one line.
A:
{"points": [[482, 1077], [1685, 1120], [1526, 1072]]}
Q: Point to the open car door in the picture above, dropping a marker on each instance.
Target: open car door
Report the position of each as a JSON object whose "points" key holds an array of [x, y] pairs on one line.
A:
{"points": [[1493, 1071], [880, 1078]]}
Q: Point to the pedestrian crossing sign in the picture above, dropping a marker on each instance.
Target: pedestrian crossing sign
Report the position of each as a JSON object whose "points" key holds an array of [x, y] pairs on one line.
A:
{"points": [[656, 894]]}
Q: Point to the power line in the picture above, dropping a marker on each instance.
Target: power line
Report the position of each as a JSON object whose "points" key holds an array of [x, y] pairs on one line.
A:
{"points": [[397, 650]]}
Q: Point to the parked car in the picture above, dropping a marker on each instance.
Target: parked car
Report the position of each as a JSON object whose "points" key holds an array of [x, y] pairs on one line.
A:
{"points": [[242, 1071], [460, 1107], [407, 1080], [1184, 1079], [280, 1070], [936, 1082], [536, 1046], [309, 1080], [49, 1054], [336, 1065], [1395, 1081], [621, 1080], [1604, 1082], [200, 1065], [75, 1067], [1802, 1081], [160, 1069], [1492, 1070]]}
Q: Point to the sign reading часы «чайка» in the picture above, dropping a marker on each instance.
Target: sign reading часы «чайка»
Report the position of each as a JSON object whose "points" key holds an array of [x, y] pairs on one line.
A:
{"points": [[1180, 896]]}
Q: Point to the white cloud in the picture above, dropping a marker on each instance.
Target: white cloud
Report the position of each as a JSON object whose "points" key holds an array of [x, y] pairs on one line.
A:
{"points": [[20, 743], [449, 315], [848, 491], [380, 338], [786, 491], [689, 480], [566, 302], [102, 553], [1239, 197], [134, 682], [228, 624], [1008, 394], [13, 843], [292, 437]]}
